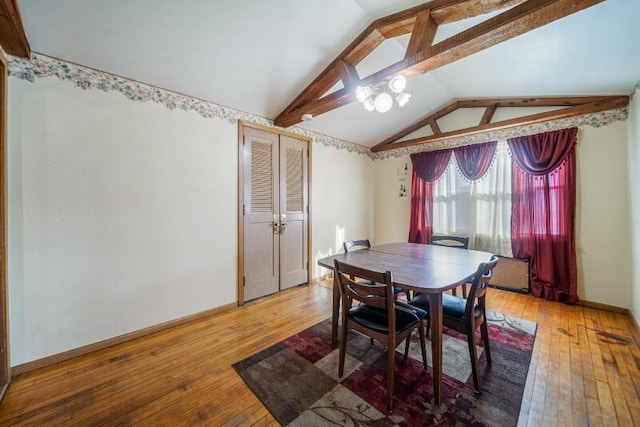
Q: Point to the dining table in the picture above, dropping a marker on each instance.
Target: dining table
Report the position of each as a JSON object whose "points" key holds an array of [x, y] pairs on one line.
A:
{"points": [[430, 269]]}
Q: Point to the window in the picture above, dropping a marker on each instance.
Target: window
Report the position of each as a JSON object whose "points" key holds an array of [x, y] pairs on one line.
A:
{"points": [[480, 209]]}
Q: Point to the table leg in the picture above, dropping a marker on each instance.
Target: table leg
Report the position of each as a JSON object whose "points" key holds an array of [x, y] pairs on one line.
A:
{"points": [[435, 311], [335, 310]]}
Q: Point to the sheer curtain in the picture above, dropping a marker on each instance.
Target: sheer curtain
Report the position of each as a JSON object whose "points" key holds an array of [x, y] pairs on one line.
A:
{"points": [[480, 209]]}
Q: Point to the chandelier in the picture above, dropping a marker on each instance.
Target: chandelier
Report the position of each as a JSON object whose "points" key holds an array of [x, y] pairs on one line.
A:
{"points": [[377, 97]]}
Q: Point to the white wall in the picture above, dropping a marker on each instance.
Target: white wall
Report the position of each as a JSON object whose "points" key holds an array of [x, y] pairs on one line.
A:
{"points": [[391, 210], [602, 217], [634, 202], [603, 221], [122, 215], [342, 197]]}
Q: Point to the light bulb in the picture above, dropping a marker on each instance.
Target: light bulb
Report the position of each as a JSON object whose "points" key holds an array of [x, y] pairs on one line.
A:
{"points": [[362, 93], [383, 102], [398, 83], [403, 98]]}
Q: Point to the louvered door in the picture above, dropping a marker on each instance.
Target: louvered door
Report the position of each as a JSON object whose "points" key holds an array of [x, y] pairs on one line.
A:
{"points": [[293, 203], [275, 200], [261, 204]]}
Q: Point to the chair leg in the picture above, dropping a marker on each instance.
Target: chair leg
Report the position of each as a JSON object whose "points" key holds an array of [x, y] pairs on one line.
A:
{"points": [[423, 344], [474, 356], [428, 326], [484, 330], [390, 375], [343, 346], [407, 341]]}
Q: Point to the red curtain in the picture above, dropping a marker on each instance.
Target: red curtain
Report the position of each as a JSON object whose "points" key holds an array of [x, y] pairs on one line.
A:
{"points": [[474, 160], [427, 168], [543, 215]]}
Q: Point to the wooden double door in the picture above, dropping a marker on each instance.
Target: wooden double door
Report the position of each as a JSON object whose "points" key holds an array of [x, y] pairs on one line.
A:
{"points": [[275, 216]]}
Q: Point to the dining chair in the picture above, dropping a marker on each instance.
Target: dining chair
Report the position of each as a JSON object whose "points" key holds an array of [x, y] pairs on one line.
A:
{"points": [[452, 242], [362, 244], [377, 315], [465, 315]]}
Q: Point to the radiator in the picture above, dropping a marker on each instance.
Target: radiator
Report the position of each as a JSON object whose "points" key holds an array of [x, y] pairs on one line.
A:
{"points": [[511, 274]]}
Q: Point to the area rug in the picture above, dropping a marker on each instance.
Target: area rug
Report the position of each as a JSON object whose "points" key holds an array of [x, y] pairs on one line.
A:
{"points": [[297, 379]]}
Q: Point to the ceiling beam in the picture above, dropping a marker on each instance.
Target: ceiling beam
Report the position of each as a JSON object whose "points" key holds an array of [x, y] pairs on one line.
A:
{"points": [[419, 21], [523, 17], [490, 106], [424, 31], [12, 36], [488, 114], [590, 105]]}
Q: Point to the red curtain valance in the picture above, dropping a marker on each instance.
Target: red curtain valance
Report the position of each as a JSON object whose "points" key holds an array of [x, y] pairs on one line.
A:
{"points": [[474, 160], [541, 153], [430, 165]]}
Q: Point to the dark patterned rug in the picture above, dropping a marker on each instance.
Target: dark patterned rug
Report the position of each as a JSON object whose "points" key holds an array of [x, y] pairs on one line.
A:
{"points": [[297, 380]]}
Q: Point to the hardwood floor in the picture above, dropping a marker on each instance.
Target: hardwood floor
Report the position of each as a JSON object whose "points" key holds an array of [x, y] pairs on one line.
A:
{"points": [[585, 369]]}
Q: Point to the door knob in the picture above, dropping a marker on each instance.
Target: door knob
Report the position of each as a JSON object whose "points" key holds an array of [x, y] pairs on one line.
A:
{"points": [[283, 223]]}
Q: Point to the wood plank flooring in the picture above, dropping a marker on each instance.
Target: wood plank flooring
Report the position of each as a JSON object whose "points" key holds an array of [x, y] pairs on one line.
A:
{"points": [[585, 369]]}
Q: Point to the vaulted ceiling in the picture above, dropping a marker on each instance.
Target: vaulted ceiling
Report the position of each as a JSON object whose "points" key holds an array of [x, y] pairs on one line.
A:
{"points": [[258, 56]]}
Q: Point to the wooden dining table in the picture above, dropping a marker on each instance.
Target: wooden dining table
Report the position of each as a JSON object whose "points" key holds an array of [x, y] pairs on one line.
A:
{"points": [[429, 269]]}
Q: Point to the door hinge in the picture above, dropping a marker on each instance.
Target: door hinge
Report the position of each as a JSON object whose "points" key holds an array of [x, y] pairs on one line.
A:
{"points": [[307, 265], [244, 281], [243, 210], [244, 139]]}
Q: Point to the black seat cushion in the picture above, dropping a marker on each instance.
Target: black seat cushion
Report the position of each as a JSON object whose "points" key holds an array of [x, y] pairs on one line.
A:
{"points": [[452, 306], [376, 318]]}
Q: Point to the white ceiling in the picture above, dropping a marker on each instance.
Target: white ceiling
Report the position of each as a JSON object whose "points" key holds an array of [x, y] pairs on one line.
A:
{"points": [[256, 55]]}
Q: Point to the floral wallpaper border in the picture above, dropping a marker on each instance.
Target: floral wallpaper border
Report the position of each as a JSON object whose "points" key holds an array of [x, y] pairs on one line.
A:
{"points": [[40, 66], [601, 118]]}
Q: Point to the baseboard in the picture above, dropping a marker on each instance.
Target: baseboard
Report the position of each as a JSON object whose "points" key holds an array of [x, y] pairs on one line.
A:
{"points": [[635, 323], [90, 348], [605, 307], [3, 391]]}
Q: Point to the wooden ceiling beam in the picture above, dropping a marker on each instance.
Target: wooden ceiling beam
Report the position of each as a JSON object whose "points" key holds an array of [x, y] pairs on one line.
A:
{"points": [[362, 46], [435, 129], [490, 106], [488, 114], [469, 10], [427, 121], [348, 74], [521, 18], [540, 101], [602, 104], [12, 36], [424, 31]]}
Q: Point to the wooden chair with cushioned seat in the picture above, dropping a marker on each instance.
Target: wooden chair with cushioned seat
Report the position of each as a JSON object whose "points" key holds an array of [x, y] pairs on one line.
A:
{"points": [[378, 316], [467, 314], [356, 243], [452, 242]]}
